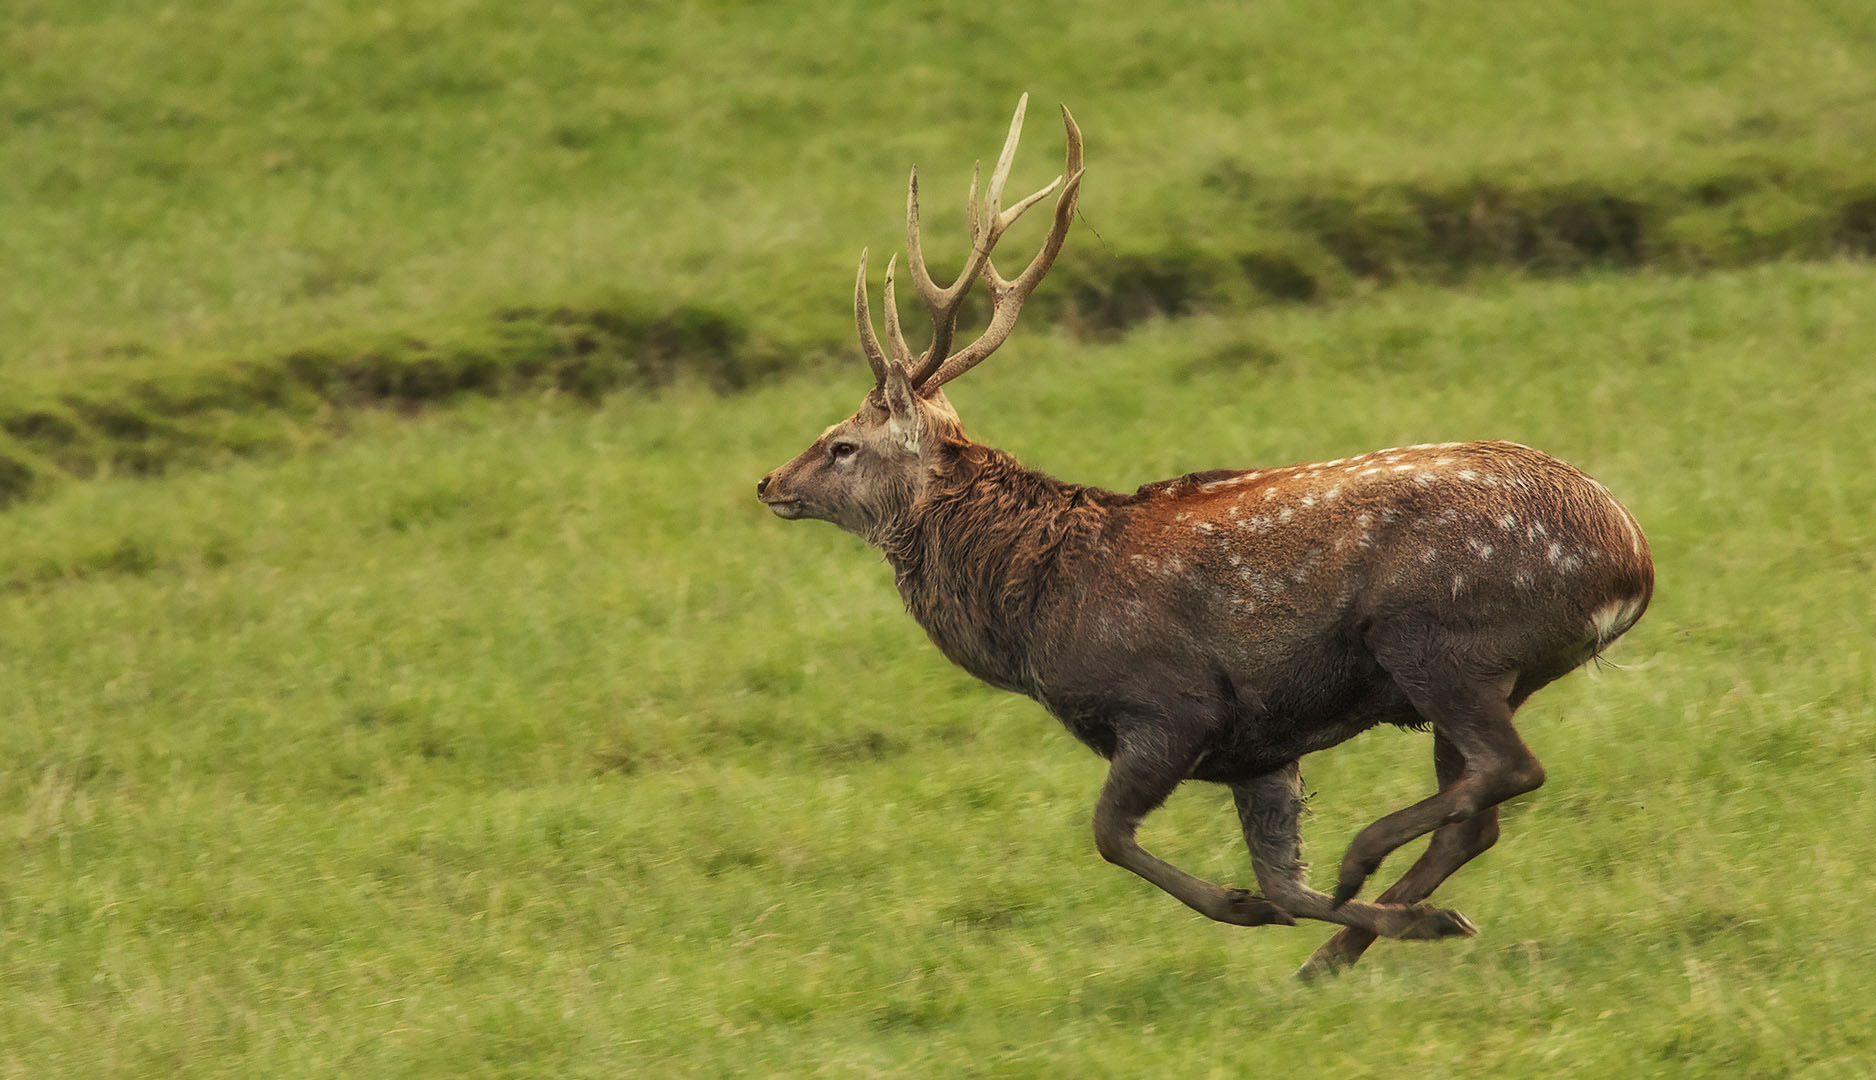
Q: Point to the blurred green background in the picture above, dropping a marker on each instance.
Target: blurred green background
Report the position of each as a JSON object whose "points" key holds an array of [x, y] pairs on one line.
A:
{"points": [[400, 680]]}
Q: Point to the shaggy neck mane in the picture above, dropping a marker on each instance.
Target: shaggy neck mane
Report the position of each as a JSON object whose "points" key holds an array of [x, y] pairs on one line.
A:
{"points": [[981, 547]]}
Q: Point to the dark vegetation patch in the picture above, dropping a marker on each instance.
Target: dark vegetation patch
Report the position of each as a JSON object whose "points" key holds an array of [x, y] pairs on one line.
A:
{"points": [[127, 557], [210, 411], [1277, 241], [1283, 242]]}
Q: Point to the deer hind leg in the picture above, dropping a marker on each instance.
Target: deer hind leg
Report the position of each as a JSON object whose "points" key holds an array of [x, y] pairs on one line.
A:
{"points": [[1137, 783], [1474, 716], [1451, 848], [1270, 807]]}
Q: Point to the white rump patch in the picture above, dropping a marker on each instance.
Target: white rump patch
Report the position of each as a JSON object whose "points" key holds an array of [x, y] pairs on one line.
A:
{"points": [[1613, 619]]}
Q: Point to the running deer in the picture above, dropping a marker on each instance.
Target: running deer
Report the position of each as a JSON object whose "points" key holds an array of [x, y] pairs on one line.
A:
{"points": [[1221, 625]]}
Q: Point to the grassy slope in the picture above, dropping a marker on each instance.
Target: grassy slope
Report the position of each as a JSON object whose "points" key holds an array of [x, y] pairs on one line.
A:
{"points": [[518, 740], [221, 224], [238, 176]]}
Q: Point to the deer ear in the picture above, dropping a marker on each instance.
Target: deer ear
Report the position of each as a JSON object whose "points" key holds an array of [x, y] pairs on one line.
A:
{"points": [[903, 420]]}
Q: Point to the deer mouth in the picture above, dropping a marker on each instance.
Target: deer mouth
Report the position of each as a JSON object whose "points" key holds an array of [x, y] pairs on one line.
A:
{"points": [[784, 508]]}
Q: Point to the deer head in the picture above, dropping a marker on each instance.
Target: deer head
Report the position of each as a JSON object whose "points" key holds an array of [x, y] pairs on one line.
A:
{"points": [[866, 470]]}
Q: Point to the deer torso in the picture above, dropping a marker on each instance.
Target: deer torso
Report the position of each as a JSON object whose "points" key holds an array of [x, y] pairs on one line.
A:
{"points": [[1248, 602]]}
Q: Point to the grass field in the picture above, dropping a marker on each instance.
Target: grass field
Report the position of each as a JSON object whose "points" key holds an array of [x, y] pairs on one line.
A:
{"points": [[501, 733]]}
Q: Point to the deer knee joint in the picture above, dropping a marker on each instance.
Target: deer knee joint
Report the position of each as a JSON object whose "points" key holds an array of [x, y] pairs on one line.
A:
{"points": [[1525, 776], [1114, 841]]}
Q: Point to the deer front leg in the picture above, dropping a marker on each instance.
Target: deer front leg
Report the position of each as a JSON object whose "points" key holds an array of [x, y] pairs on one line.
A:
{"points": [[1270, 808], [1137, 783]]}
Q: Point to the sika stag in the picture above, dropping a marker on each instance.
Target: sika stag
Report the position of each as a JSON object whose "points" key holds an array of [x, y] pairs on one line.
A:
{"points": [[1221, 625]]}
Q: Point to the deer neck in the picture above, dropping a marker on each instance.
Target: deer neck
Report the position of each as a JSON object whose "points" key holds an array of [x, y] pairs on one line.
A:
{"points": [[980, 554]]}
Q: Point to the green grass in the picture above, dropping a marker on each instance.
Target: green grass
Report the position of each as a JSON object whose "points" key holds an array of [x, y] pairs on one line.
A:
{"points": [[517, 739], [192, 197], [400, 679]]}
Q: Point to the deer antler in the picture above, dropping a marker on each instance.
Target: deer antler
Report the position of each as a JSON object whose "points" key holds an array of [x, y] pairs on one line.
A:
{"points": [[988, 221]]}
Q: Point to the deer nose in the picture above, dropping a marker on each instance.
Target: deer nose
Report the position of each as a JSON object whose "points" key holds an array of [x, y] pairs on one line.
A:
{"points": [[762, 485]]}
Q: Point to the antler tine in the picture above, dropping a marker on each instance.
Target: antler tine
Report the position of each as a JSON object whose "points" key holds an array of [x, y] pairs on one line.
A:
{"points": [[988, 221], [1006, 297], [894, 338], [994, 196], [942, 302], [863, 318]]}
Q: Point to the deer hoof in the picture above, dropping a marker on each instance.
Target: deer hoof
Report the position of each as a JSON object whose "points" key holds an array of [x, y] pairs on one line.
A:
{"points": [[1244, 908], [1321, 966], [1355, 871], [1434, 923]]}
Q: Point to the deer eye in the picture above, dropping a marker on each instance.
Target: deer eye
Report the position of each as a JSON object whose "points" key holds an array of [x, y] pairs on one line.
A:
{"points": [[841, 451]]}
